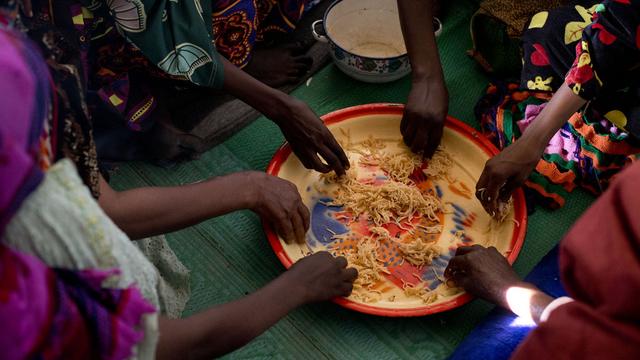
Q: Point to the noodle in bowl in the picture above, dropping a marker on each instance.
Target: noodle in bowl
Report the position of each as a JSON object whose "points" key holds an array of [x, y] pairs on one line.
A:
{"points": [[396, 218]]}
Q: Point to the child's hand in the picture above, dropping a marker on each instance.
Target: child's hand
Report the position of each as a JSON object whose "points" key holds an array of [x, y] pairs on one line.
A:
{"points": [[321, 277]]}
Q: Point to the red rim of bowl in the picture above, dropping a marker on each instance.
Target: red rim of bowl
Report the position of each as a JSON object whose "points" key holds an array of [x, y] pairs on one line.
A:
{"points": [[452, 123]]}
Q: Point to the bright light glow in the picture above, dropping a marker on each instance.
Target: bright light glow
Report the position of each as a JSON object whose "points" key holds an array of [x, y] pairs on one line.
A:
{"points": [[519, 300], [520, 322]]}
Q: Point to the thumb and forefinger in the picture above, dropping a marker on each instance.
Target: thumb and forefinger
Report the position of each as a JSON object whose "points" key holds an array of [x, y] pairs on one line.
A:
{"points": [[488, 189]]}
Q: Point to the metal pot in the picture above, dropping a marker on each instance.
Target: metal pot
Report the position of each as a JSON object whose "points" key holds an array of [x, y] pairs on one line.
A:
{"points": [[365, 39]]}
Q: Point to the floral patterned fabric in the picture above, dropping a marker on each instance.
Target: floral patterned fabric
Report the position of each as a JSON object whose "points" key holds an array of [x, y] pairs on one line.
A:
{"points": [[595, 49], [116, 63], [239, 24], [135, 53]]}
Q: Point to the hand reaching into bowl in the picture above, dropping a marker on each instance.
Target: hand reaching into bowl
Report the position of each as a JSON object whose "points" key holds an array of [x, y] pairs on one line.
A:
{"points": [[510, 169], [321, 277], [424, 116], [309, 138], [278, 202], [428, 103], [482, 272], [485, 273], [504, 173]]}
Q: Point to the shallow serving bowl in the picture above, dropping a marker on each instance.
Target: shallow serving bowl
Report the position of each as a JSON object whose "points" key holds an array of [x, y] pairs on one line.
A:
{"points": [[365, 39], [469, 151]]}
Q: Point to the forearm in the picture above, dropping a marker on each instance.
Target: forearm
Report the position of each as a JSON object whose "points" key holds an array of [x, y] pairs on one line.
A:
{"points": [[526, 301], [485, 273], [416, 19], [227, 327], [251, 91], [562, 106], [149, 211]]}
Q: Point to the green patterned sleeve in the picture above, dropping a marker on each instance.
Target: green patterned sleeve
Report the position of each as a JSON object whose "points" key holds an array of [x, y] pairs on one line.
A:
{"points": [[176, 35]]}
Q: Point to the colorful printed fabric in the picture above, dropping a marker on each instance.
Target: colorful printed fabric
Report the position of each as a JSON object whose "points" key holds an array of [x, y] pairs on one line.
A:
{"points": [[607, 65], [239, 24], [59, 314], [173, 35], [588, 151], [594, 48], [24, 106], [61, 107], [125, 59], [593, 145], [48, 313], [549, 44], [117, 82]]}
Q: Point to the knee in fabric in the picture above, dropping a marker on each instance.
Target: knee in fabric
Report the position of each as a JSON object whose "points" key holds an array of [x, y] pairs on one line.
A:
{"points": [[548, 28]]}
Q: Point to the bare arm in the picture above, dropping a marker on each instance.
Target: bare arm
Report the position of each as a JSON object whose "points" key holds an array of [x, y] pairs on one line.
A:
{"points": [[149, 211], [224, 328], [256, 94], [305, 132], [416, 19], [508, 170], [562, 106], [428, 102], [485, 273], [217, 331]]}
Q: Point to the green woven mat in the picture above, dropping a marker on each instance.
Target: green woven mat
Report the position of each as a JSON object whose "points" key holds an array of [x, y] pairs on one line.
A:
{"points": [[230, 257]]}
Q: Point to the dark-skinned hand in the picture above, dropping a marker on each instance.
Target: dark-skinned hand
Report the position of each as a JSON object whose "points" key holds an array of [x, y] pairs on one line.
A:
{"points": [[482, 272], [310, 139], [321, 277], [278, 202], [504, 173], [424, 116]]}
